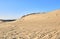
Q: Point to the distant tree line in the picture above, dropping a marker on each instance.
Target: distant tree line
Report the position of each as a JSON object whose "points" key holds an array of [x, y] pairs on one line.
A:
{"points": [[7, 20]]}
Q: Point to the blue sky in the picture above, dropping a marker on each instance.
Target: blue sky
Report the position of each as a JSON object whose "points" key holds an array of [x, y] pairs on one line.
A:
{"points": [[11, 9]]}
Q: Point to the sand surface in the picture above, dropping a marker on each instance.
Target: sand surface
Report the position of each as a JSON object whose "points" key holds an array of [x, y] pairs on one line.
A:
{"points": [[35, 26]]}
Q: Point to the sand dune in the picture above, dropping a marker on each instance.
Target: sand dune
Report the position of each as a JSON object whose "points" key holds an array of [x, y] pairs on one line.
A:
{"points": [[33, 26]]}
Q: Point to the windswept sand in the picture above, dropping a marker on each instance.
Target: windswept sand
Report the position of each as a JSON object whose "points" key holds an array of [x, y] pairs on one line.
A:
{"points": [[34, 26]]}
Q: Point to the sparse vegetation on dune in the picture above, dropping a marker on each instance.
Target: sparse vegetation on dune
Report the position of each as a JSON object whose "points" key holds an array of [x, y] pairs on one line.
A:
{"points": [[33, 26], [33, 14]]}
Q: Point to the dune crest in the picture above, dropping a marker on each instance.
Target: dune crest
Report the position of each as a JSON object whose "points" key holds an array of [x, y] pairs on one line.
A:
{"points": [[54, 15]]}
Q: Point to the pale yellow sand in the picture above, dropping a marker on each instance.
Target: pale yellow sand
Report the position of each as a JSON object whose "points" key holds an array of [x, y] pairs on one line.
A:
{"points": [[35, 26]]}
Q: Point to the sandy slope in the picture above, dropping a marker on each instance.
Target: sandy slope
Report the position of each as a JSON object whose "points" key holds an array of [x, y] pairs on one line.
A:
{"points": [[35, 26]]}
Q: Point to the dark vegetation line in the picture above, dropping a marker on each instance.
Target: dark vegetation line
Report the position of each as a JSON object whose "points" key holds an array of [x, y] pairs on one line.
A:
{"points": [[33, 14], [7, 20]]}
